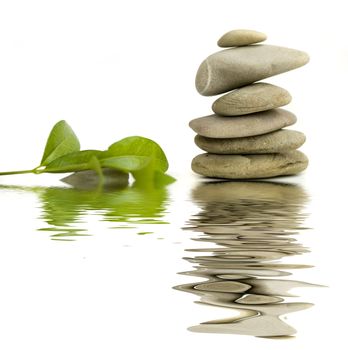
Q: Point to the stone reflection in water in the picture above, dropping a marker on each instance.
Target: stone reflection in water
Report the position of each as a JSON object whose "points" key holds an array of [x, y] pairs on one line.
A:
{"points": [[65, 209], [252, 226]]}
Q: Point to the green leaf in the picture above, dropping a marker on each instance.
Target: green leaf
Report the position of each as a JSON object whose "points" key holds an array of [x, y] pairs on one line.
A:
{"points": [[139, 146], [95, 165], [163, 179], [129, 164], [76, 161], [61, 141], [141, 157]]}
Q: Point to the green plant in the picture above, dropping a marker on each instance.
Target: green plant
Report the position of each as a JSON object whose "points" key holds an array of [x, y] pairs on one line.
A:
{"points": [[141, 157]]}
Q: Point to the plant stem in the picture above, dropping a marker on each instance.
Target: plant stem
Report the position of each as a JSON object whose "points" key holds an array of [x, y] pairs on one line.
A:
{"points": [[16, 172]]}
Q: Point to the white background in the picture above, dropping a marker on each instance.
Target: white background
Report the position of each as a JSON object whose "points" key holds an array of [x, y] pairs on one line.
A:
{"points": [[114, 69]]}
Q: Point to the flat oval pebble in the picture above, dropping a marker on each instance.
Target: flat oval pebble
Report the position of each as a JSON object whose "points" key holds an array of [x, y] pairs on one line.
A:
{"points": [[273, 142], [253, 124], [232, 68], [249, 166], [250, 99], [241, 37]]}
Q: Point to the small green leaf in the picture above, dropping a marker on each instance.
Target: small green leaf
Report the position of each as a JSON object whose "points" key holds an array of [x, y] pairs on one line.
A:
{"points": [[163, 179], [95, 165], [141, 157], [76, 161], [127, 164], [89, 179], [61, 141], [139, 146], [145, 176]]}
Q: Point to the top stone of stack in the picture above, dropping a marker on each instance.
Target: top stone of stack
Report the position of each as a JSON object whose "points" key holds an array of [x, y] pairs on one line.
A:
{"points": [[241, 37], [238, 66]]}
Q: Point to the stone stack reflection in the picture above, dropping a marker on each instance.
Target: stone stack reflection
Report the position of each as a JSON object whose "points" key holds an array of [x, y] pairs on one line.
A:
{"points": [[252, 227]]}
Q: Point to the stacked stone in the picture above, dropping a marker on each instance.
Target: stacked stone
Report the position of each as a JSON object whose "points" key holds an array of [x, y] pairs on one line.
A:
{"points": [[245, 138]]}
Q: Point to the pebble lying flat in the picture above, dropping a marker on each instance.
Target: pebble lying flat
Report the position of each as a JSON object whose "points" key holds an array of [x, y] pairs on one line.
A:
{"points": [[274, 142], [241, 37], [253, 124], [249, 167], [250, 99], [232, 68]]}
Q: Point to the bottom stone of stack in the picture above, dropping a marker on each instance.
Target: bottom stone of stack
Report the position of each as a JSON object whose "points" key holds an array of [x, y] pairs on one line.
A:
{"points": [[252, 166]]}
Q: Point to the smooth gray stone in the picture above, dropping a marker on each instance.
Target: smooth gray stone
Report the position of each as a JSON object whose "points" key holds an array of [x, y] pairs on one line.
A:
{"points": [[241, 37], [253, 124], [251, 99], [249, 166], [232, 68], [274, 142]]}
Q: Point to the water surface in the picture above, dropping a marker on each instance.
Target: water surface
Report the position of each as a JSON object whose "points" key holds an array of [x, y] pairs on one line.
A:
{"points": [[247, 242]]}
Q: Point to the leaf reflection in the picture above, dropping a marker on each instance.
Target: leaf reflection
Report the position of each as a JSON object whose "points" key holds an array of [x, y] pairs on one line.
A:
{"points": [[65, 209]]}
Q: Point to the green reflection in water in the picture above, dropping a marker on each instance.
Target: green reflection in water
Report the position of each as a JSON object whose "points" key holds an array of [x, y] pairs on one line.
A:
{"points": [[65, 209]]}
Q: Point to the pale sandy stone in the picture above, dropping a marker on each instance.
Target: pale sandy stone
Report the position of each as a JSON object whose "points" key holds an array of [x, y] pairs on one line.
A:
{"points": [[273, 142], [241, 37], [253, 124], [249, 166], [232, 68], [250, 99]]}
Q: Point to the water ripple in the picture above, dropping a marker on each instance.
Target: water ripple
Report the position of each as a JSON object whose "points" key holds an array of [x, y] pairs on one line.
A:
{"points": [[252, 228], [65, 211]]}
